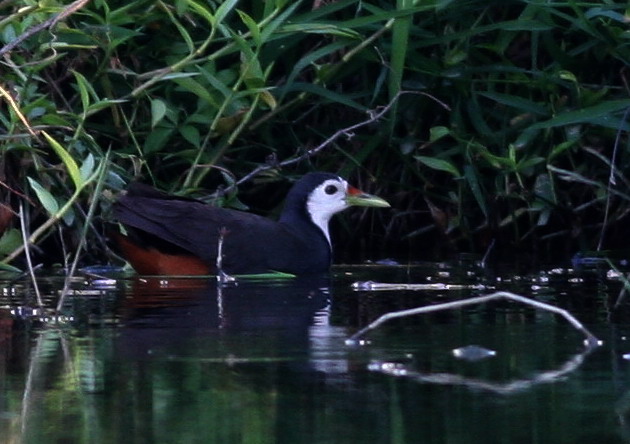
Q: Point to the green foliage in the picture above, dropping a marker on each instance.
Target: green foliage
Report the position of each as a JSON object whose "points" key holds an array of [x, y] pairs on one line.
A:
{"points": [[511, 127]]}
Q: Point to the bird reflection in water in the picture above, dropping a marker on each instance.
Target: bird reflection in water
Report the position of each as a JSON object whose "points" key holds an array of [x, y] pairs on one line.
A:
{"points": [[175, 317]]}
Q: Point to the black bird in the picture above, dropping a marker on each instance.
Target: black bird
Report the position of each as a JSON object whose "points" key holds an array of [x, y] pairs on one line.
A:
{"points": [[170, 235]]}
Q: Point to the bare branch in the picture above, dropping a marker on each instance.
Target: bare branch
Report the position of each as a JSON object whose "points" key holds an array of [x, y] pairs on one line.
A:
{"points": [[70, 9], [374, 115], [591, 340]]}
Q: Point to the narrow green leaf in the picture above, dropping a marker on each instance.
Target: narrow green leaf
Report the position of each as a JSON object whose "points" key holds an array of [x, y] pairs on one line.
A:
{"points": [[334, 97], [251, 24], [561, 148], [272, 26], [321, 28], [215, 82], [528, 163], [199, 90], [102, 104], [437, 132], [516, 102], [45, 198], [470, 173], [400, 42], [312, 56], [179, 75], [10, 268], [182, 30], [223, 10], [439, 164], [84, 88], [68, 161], [203, 11], [585, 115]]}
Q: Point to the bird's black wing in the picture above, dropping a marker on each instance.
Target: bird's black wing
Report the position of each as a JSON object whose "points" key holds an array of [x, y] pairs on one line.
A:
{"points": [[252, 244]]}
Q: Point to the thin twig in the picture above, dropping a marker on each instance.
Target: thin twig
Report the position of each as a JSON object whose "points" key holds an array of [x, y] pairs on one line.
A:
{"points": [[88, 220], [27, 252], [611, 179], [70, 9], [222, 276], [591, 340], [501, 388], [374, 115], [16, 109]]}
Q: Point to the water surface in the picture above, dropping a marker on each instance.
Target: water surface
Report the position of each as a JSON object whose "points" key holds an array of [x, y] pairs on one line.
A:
{"points": [[190, 361]]}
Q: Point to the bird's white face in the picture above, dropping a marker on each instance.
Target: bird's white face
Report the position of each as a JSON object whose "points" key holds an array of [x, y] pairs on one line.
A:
{"points": [[325, 201]]}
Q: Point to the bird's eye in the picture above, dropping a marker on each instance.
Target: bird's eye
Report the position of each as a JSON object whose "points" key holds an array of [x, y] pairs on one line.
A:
{"points": [[331, 189]]}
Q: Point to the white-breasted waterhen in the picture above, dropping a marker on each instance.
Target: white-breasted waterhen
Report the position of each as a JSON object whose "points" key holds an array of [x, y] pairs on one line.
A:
{"points": [[170, 235]]}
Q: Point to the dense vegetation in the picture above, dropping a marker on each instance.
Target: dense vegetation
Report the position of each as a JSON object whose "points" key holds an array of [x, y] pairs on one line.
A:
{"points": [[506, 119]]}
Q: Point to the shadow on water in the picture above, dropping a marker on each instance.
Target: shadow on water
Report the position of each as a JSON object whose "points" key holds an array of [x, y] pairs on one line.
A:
{"points": [[188, 361]]}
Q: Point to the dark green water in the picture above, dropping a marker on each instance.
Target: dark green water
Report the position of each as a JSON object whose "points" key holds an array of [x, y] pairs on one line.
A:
{"points": [[267, 362]]}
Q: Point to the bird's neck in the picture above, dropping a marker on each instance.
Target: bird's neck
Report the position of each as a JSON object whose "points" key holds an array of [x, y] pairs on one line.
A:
{"points": [[313, 228], [321, 221]]}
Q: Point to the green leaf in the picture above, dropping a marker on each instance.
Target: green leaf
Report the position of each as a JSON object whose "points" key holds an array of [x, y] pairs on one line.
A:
{"points": [[10, 268], [67, 159], [334, 97], [321, 28], [182, 31], [10, 240], [265, 276], [203, 11], [84, 89], [251, 24], [158, 111], [439, 164], [223, 10], [270, 28], [584, 115], [191, 134], [157, 139], [470, 173], [312, 56], [216, 82], [516, 102], [437, 132], [87, 167], [45, 198], [529, 162], [102, 104], [197, 89]]}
